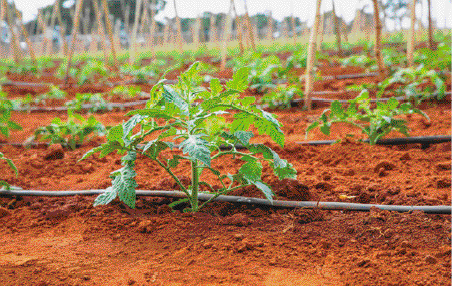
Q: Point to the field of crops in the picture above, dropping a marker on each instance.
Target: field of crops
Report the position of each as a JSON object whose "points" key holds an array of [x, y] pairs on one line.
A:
{"points": [[187, 168]]}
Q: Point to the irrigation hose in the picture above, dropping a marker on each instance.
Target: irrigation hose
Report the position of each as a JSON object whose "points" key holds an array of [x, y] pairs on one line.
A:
{"points": [[441, 209], [424, 140]]}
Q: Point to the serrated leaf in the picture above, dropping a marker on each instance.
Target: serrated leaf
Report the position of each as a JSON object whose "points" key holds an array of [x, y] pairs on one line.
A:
{"points": [[197, 148], [106, 197], [266, 190], [311, 127], [240, 79], [115, 133], [244, 136], [91, 152], [171, 96], [251, 170], [337, 110], [130, 124], [215, 87]]}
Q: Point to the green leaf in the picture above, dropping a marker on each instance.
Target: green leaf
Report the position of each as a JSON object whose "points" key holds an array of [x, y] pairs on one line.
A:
{"points": [[171, 96], [311, 127], [215, 87], [251, 170], [106, 197], [244, 136], [392, 104], [337, 110], [266, 190], [124, 183], [115, 133], [240, 80], [325, 128], [130, 125], [197, 148]]}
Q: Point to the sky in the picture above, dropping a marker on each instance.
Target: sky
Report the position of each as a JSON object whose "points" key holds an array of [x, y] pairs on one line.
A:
{"points": [[305, 9]]}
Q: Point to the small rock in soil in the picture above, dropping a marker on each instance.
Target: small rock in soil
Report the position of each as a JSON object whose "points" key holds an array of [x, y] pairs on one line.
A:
{"points": [[293, 189], [324, 185], [443, 165], [364, 263], [54, 152], [430, 259], [405, 156], [386, 165], [145, 226], [443, 183], [4, 212]]}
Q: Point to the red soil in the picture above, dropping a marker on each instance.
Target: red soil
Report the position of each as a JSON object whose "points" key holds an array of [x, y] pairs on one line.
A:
{"points": [[66, 241]]}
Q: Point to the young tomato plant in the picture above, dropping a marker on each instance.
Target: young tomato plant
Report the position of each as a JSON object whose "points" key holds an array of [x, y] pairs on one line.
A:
{"points": [[191, 115], [12, 166], [69, 134], [375, 123], [6, 124]]}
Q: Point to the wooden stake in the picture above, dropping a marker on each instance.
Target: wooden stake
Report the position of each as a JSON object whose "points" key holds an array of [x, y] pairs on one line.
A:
{"points": [[227, 30], [133, 47], [270, 27], [311, 58], [411, 40], [337, 31], [322, 31], [430, 26], [43, 25], [196, 31], [100, 30], [109, 31], [212, 31], [27, 40], [179, 29], [62, 29], [294, 29], [76, 20], [238, 26], [14, 40], [250, 30], [152, 31], [378, 26]]}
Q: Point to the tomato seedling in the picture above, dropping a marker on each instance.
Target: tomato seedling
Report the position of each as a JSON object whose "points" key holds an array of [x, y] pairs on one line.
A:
{"points": [[192, 116]]}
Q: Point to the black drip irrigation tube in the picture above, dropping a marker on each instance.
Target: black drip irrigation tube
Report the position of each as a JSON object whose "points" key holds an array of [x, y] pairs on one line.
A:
{"points": [[344, 206], [293, 103], [425, 141]]}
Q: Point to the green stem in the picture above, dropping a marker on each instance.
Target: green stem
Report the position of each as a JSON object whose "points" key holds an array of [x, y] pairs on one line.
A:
{"points": [[173, 176], [194, 186]]}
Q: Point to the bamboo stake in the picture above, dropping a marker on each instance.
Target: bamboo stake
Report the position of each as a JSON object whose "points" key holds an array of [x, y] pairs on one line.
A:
{"points": [[166, 31], [133, 47], [212, 38], [179, 29], [152, 31], [62, 30], [44, 32], [49, 48], [226, 29], [294, 29], [311, 58], [250, 30], [100, 30], [78, 8], [238, 27], [196, 28], [411, 40], [109, 31], [27, 40], [270, 27], [14, 40], [430, 26], [337, 31], [144, 17], [378, 26], [322, 31]]}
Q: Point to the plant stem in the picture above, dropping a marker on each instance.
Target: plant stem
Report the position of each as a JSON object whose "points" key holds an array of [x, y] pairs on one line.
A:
{"points": [[194, 185], [222, 193]]}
